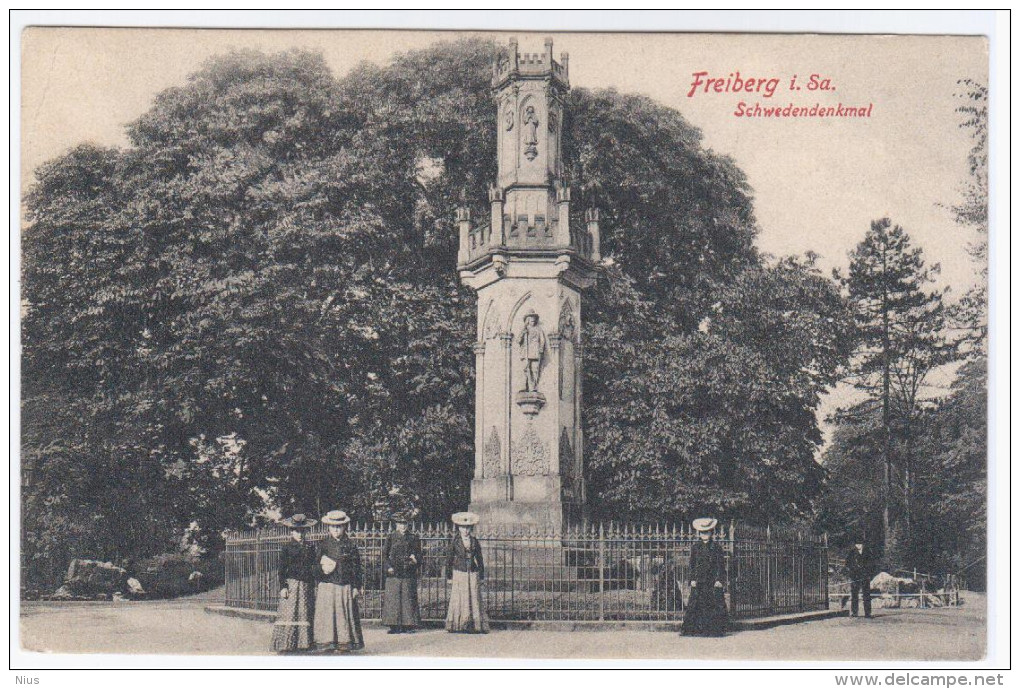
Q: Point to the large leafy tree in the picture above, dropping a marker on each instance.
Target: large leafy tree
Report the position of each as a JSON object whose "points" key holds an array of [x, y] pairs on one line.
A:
{"points": [[255, 304], [719, 417]]}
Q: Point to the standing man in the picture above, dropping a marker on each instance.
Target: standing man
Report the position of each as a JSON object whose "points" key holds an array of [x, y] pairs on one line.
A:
{"points": [[859, 569]]}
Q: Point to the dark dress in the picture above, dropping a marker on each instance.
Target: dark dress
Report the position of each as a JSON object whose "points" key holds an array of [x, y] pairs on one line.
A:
{"points": [[400, 598], [292, 630], [337, 613], [706, 608], [466, 570], [858, 567]]}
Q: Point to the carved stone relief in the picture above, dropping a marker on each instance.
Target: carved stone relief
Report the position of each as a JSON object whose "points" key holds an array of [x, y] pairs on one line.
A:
{"points": [[567, 325], [490, 328], [529, 455], [491, 455], [568, 464]]}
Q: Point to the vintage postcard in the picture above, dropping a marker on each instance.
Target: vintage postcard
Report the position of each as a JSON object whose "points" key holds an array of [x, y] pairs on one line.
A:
{"points": [[478, 344]]}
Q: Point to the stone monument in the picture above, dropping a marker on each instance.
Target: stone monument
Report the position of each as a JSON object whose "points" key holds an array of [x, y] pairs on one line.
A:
{"points": [[528, 266]]}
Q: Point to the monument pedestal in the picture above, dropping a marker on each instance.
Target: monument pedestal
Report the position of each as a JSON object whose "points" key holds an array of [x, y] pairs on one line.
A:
{"points": [[521, 500]]}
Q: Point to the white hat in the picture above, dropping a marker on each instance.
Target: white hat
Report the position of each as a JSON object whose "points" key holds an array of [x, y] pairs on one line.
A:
{"points": [[336, 518], [465, 518], [702, 524]]}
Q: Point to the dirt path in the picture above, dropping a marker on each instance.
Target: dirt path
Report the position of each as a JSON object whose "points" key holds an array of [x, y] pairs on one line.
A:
{"points": [[182, 626]]}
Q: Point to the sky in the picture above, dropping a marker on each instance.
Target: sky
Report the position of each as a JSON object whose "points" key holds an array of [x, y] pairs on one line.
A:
{"points": [[818, 182]]}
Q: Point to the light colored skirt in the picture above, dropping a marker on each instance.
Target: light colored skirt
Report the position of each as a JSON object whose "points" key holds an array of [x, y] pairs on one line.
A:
{"points": [[400, 602], [292, 630], [337, 618], [466, 612]]}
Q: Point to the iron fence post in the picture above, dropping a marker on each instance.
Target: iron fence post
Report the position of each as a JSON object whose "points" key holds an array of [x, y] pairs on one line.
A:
{"points": [[825, 566], [227, 568], [602, 574], [513, 580], [798, 560], [257, 569], [731, 564]]}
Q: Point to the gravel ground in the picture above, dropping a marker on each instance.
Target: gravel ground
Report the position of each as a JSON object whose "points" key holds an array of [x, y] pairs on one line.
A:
{"points": [[183, 626]]}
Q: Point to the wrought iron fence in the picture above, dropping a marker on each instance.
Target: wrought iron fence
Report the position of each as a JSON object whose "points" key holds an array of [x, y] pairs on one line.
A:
{"points": [[592, 573]]}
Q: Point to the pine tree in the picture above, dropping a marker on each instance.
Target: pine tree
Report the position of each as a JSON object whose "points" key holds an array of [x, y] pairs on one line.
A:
{"points": [[901, 327]]}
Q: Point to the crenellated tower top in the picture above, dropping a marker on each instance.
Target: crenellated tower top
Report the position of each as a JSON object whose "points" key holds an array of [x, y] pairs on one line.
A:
{"points": [[514, 64], [530, 200]]}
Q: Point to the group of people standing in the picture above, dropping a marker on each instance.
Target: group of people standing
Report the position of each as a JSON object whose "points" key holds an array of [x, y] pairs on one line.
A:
{"points": [[321, 585], [319, 588]]}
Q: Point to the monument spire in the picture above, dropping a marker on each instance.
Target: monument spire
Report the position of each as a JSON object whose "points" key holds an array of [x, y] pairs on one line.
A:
{"points": [[528, 266]]}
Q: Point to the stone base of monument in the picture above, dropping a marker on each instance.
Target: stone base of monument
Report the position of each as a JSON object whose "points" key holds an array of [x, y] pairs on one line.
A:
{"points": [[524, 547], [541, 565], [535, 503]]}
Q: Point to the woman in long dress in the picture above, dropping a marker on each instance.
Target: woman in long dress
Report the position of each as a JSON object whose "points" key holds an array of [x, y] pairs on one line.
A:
{"points": [[337, 616], [292, 630], [466, 569], [706, 608], [401, 561]]}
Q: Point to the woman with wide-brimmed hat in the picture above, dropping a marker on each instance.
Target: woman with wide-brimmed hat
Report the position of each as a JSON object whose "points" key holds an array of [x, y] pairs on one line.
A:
{"points": [[402, 559], [292, 630], [706, 607], [337, 615], [466, 569]]}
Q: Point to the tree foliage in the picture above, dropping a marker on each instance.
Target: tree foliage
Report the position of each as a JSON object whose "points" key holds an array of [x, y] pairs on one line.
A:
{"points": [[255, 306], [971, 312], [902, 338], [949, 533]]}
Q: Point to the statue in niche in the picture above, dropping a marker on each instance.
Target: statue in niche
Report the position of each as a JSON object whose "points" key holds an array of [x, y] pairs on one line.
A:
{"points": [[530, 124], [567, 325], [508, 119], [532, 342]]}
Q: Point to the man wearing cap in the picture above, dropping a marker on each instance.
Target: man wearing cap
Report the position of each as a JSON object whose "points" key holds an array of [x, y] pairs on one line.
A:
{"points": [[402, 558], [858, 567], [532, 343], [337, 615], [292, 630]]}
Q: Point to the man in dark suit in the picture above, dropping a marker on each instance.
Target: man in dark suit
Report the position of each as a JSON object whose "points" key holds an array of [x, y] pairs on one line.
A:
{"points": [[859, 568]]}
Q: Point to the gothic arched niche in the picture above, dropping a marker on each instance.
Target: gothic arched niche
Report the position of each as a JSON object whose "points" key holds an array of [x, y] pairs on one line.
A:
{"points": [[511, 321], [490, 323], [567, 325], [529, 117]]}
